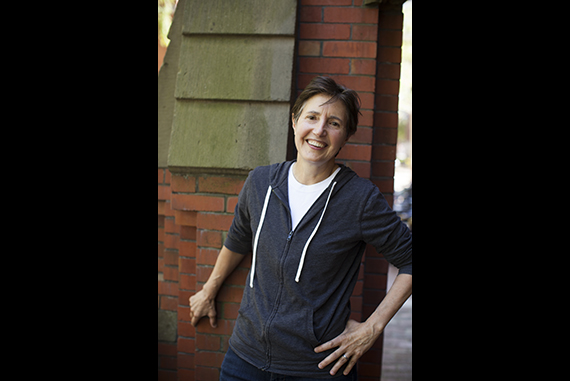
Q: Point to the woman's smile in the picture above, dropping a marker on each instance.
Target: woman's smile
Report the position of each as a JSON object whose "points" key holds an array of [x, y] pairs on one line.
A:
{"points": [[316, 144]]}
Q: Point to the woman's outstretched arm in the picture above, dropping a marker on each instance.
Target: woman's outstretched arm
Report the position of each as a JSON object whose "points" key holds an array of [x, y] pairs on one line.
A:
{"points": [[203, 304]]}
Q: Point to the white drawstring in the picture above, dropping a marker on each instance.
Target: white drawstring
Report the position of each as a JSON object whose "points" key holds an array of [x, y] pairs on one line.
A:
{"points": [[265, 206], [260, 228], [302, 263]]}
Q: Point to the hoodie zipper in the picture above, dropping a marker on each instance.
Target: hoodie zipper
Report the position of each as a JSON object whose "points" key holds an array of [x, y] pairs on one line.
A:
{"points": [[277, 303], [315, 231]]}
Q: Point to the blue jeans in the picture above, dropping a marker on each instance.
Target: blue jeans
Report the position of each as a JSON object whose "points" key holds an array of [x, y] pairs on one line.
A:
{"points": [[236, 369]]}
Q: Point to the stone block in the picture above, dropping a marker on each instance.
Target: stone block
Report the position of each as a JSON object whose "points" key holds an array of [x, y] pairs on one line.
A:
{"points": [[236, 68], [228, 135], [167, 324], [275, 17]]}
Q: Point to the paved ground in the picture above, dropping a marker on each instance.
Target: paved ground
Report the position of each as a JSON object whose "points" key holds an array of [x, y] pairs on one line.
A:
{"points": [[398, 348]]}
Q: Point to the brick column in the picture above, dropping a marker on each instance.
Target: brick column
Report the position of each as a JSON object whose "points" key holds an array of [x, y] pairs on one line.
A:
{"points": [[168, 285], [198, 212], [384, 148]]}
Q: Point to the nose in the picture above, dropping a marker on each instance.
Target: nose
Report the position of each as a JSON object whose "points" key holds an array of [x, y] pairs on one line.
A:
{"points": [[320, 129]]}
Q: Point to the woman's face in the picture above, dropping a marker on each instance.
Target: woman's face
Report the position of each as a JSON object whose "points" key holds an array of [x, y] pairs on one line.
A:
{"points": [[321, 131]]}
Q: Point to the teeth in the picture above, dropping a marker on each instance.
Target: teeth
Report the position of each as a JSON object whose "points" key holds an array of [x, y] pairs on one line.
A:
{"points": [[317, 144]]}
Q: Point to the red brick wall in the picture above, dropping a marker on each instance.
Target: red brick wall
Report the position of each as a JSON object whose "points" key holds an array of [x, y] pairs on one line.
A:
{"points": [[359, 47], [194, 215]]}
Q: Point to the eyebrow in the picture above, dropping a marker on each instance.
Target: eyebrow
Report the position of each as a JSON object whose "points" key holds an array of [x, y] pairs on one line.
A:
{"points": [[331, 117]]}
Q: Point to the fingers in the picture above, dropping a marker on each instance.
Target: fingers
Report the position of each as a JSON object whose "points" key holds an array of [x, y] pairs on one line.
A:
{"points": [[330, 345], [345, 360], [194, 319], [340, 359], [341, 362], [350, 366], [213, 322], [331, 359], [352, 345], [199, 312]]}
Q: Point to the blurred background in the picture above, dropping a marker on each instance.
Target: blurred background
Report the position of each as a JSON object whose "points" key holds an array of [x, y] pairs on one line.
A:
{"points": [[165, 12]]}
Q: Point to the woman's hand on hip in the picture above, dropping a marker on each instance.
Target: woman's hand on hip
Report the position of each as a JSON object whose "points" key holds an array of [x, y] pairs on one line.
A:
{"points": [[356, 340]]}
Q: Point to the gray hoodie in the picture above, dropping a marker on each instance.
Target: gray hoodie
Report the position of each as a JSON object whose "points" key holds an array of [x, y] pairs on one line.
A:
{"points": [[298, 292]]}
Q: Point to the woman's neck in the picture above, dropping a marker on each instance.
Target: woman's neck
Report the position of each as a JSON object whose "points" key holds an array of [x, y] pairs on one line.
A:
{"points": [[310, 174]]}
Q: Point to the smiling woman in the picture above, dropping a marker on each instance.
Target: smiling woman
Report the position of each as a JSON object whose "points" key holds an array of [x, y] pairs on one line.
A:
{"points": [[307, 224]]}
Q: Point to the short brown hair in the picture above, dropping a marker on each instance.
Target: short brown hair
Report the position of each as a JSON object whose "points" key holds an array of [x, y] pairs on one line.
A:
{"points": [[326, 85]]}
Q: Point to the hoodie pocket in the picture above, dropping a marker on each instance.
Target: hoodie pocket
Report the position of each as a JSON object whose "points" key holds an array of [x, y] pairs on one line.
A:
{"points": [[315, 342], [330, 326]]}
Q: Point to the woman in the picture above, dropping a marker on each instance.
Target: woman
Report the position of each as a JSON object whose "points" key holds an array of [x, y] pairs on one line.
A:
{"points": [[307, 224]]}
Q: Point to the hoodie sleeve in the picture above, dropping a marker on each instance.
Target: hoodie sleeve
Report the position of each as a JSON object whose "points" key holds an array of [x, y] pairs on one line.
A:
{"points": [[239, 239], [382, 228]]}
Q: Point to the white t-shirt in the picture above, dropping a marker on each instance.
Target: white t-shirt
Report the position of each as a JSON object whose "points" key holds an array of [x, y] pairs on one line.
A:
{"points": [[302, 197]]}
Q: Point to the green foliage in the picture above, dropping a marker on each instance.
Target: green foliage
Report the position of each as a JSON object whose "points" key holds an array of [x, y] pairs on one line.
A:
{"points": [[165, 13]]}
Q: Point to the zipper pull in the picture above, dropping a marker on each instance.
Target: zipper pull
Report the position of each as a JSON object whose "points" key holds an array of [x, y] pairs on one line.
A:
{"points": [[290, 236]]}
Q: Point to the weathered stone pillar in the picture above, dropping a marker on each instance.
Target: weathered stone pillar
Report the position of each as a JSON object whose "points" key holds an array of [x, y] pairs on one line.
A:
{"points": [[224, 104], [233, 86]]}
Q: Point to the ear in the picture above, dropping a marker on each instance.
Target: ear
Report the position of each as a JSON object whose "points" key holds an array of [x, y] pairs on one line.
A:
{"points": [[294, 123]]}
